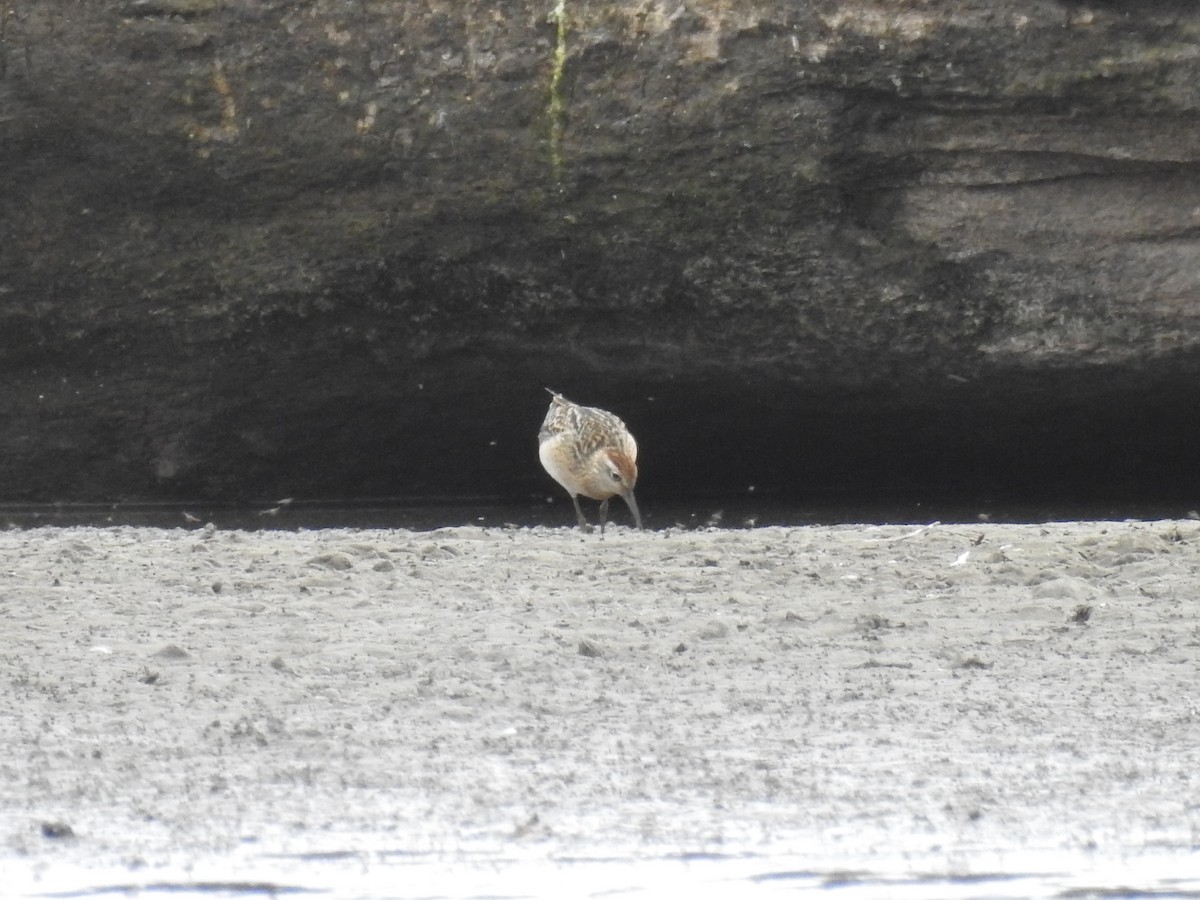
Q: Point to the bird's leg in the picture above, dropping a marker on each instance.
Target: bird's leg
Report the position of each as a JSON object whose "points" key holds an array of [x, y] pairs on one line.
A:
{"points": [[603, 515], [583, 524]]}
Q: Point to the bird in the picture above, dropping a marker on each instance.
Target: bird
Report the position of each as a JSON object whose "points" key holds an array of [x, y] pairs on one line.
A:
{"points": [[589, 451]]}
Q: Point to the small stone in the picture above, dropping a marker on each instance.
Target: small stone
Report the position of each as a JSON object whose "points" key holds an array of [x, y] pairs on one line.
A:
{"points": [[337, 561], [972, 662], [714, 630]]}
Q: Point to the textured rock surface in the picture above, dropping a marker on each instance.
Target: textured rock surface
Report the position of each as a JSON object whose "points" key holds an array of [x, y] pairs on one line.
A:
{"points": [[338, 248]]}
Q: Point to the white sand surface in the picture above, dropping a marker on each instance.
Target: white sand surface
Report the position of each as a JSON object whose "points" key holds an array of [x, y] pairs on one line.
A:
{"points": [[991, 710]]}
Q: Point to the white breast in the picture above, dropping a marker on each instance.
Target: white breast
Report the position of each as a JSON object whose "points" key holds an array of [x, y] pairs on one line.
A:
{"points": [[554, 454]]}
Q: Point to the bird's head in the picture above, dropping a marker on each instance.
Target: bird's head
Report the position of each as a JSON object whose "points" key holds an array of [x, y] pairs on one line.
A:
{"points": [[612, 473]]}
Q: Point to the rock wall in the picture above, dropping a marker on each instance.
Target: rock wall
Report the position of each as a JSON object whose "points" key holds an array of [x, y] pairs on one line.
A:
{"points": [[337, 248]]}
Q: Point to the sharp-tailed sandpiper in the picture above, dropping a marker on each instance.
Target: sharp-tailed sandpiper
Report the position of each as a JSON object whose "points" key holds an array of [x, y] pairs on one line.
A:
{"points": [[589, 451]]}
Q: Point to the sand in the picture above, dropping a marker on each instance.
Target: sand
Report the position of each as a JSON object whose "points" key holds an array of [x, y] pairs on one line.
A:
{"points": [[476, 711]]}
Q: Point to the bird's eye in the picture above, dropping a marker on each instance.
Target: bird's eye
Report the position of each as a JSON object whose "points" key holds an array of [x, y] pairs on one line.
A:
{"points": [[616, 476]]}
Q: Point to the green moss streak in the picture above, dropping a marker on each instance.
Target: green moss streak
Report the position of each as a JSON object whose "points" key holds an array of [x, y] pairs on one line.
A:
{"points": [[557, 106]]}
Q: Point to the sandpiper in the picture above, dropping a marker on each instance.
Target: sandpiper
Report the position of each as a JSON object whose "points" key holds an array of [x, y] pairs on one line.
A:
{"points": [[589, 451]]}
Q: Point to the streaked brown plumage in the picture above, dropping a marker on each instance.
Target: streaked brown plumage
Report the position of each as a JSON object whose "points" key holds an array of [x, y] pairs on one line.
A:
{"points": [[589, 451]]}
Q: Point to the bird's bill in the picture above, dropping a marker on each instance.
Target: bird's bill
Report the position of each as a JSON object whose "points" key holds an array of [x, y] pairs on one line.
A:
{"points": [[633, 508]]}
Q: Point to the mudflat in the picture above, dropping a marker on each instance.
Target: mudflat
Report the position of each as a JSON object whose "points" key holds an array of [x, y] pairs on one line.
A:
{"points": [[268, 710]]}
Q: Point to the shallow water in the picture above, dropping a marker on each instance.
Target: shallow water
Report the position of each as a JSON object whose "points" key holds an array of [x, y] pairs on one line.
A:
{"points": [[736, 512], [382, 873]]}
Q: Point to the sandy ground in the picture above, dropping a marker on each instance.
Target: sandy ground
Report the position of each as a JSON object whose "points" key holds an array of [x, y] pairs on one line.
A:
{"points": [[375, 712]]}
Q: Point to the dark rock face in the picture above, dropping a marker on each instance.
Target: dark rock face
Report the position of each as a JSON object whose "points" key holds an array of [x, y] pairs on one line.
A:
{"points": [[337, 248]]}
